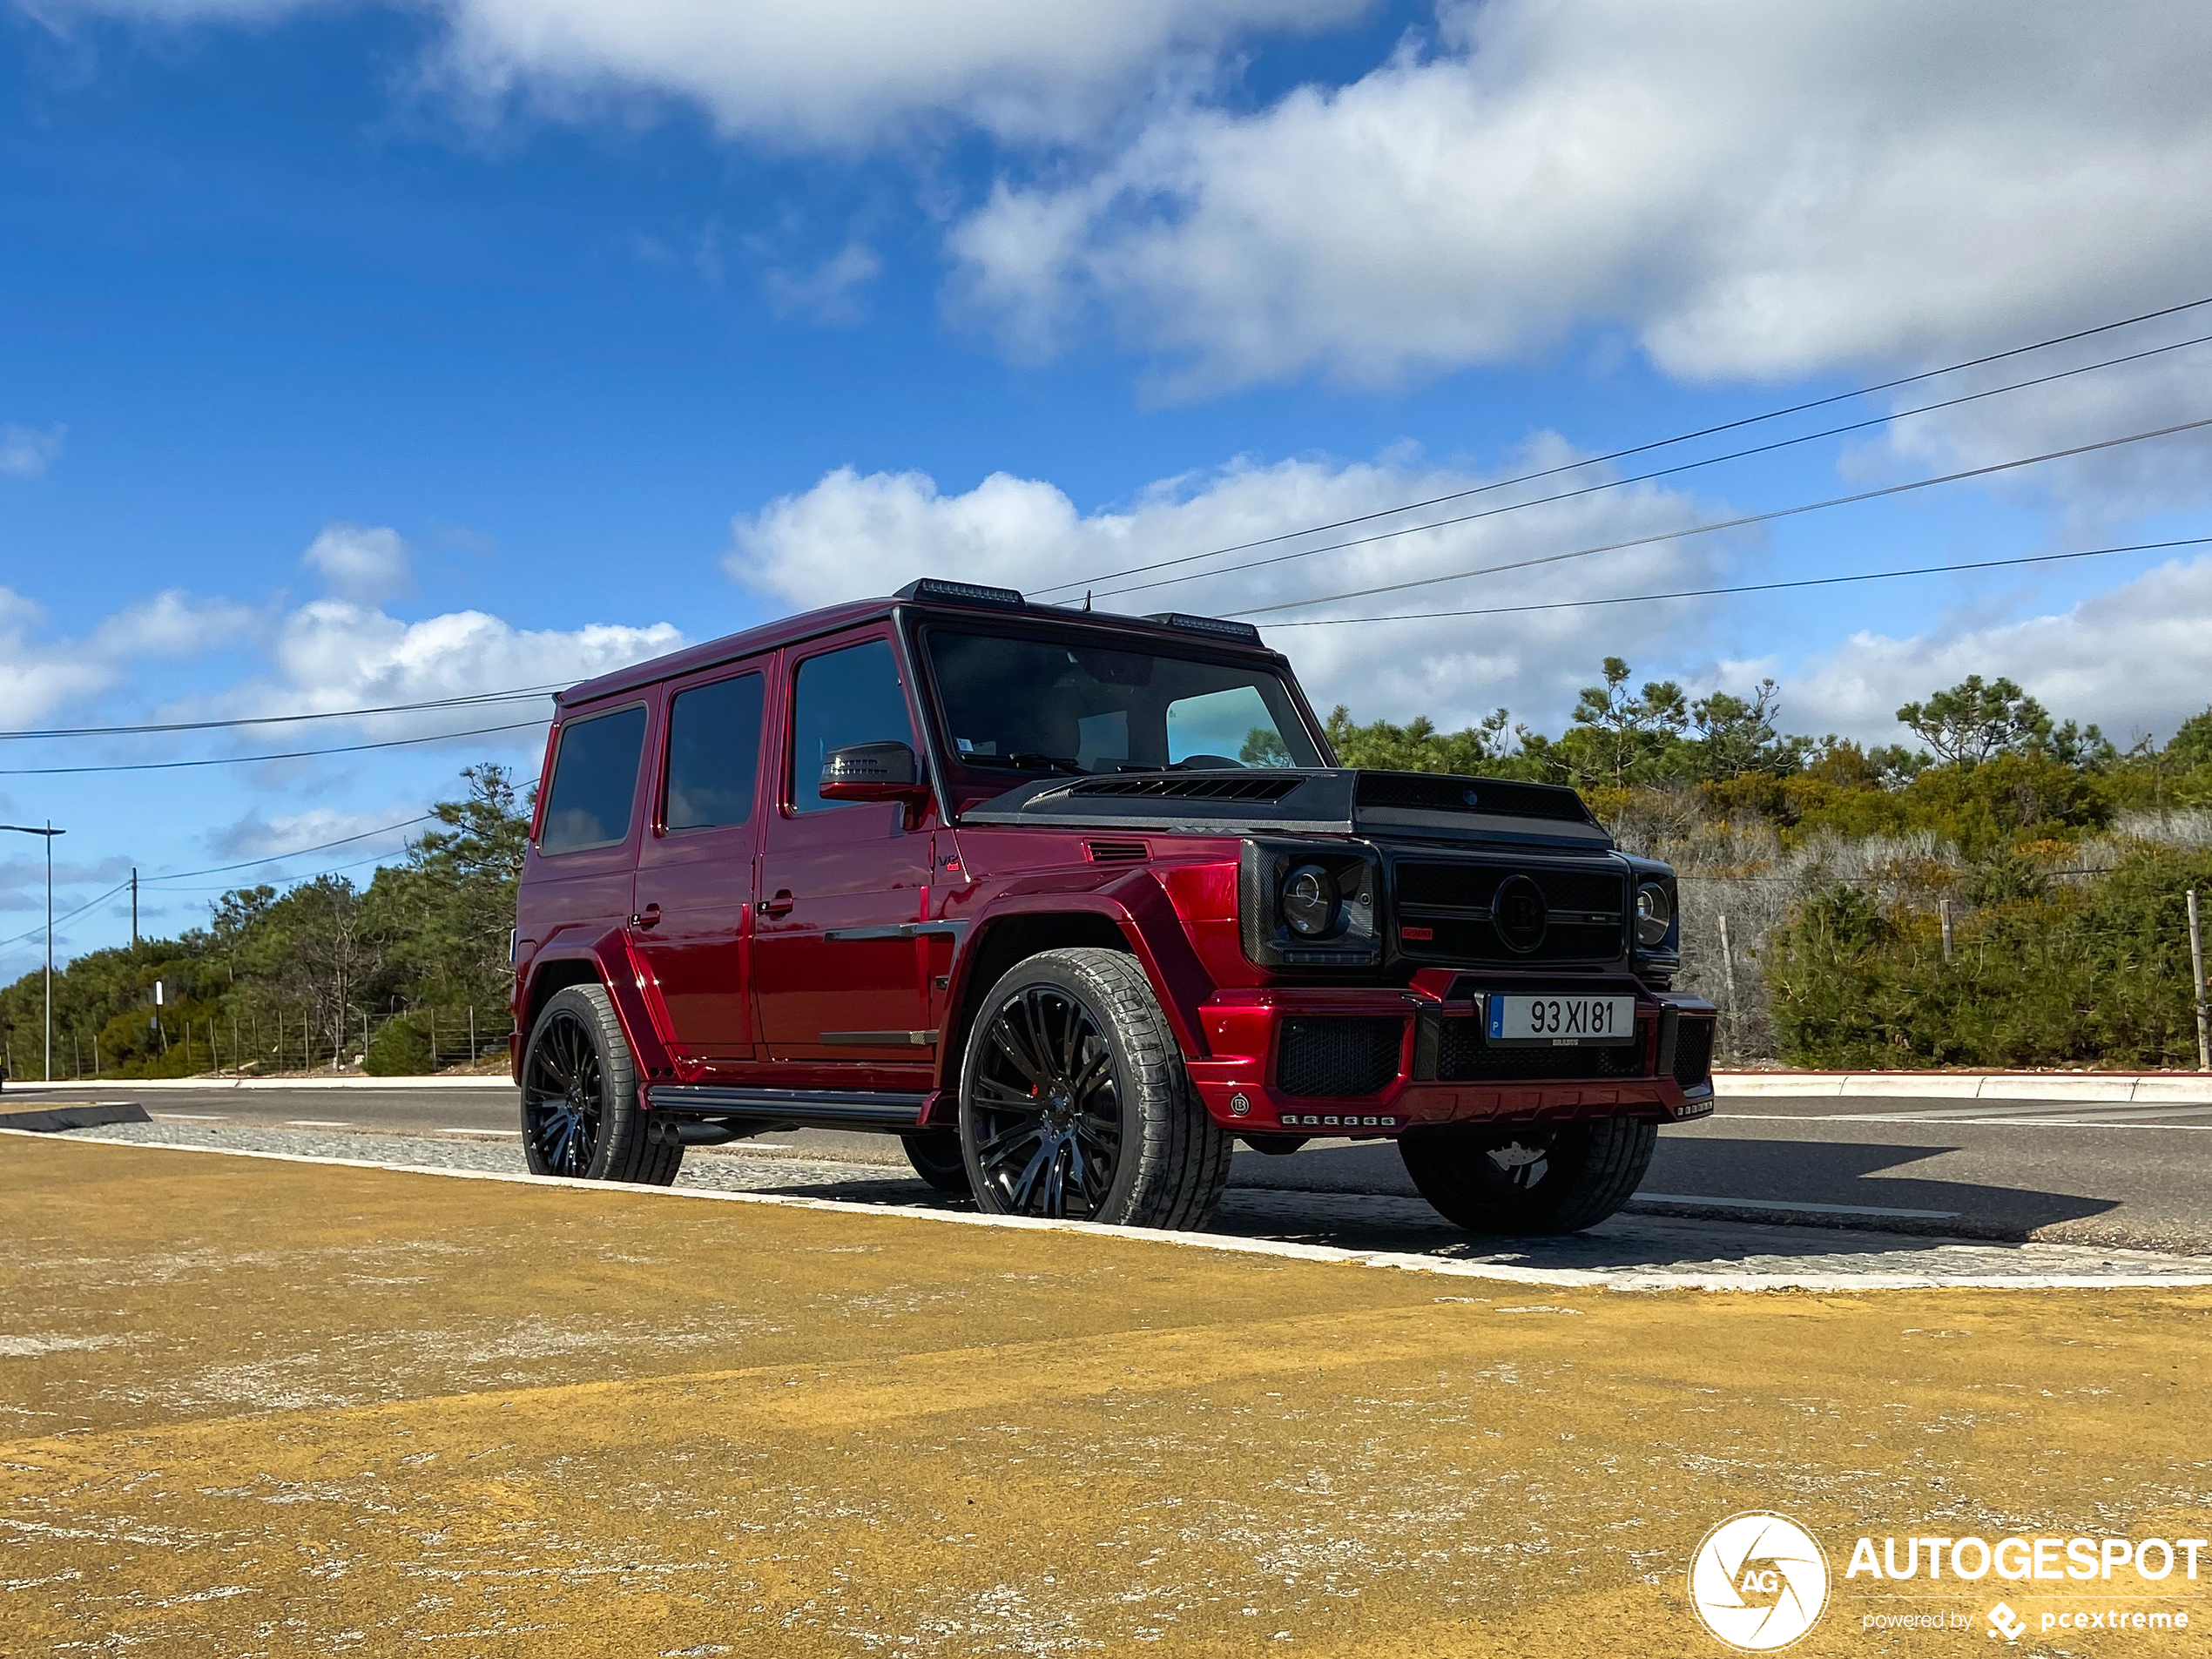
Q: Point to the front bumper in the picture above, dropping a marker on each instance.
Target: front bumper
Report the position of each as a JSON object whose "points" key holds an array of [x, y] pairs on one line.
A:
{"points": [[1442, 1070]]}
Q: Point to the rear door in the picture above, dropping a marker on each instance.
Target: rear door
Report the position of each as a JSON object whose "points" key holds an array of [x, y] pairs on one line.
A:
{"points": [[695, 864], [578, 886], [838, 971]]}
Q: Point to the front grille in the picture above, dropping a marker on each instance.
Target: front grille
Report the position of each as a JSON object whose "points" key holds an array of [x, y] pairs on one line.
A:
{"points": [[1462, 1056], [1435, 793], [1587, 921], [1335, 1057], [1694, 1052]]}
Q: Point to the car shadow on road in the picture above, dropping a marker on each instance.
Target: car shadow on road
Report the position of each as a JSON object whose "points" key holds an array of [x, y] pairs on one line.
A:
{"points": [[1360, 1198]]}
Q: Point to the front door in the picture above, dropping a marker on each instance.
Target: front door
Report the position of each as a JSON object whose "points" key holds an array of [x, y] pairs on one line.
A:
{"points": [[838, 971], [694, 893]]}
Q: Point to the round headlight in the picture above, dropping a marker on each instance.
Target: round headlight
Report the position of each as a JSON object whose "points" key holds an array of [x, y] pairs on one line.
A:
{"points": [[1309, 901], [1654, 913]]}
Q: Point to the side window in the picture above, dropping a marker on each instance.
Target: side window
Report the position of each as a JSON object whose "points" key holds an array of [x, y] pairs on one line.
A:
{"points": [[844, 696], [595, 779], [713, 753]]}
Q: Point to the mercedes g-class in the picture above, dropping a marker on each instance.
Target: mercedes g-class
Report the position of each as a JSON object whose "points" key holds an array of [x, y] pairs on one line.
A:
{"points": [[1072, 903]]}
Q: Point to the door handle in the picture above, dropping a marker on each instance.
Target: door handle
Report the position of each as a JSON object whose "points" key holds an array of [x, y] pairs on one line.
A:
{"points": [[649, 917], [780, 905]]}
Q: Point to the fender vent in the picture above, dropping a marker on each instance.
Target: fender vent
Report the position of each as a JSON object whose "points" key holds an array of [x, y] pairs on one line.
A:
{"points": [[1116, 851]]}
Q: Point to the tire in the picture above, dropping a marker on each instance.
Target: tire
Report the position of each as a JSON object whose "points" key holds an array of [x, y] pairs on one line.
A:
{"points": [[937, 1159], [580, 1115], [1073, 1102], [1528, 1180]]}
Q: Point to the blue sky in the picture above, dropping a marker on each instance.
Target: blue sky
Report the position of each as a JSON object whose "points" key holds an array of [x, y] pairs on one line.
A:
{"points": [[359, 355]]}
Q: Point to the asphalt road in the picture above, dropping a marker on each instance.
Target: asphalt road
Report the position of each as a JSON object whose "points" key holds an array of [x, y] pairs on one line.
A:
{"points": [[2126, 1175]]}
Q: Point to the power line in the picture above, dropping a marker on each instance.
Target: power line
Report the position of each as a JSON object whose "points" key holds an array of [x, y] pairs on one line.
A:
{"points": [[297, 852], [245, 761], [72, 915], [519, 694], [1723, 524], [294, 881], [1755, 587], [1643, 449], [1646, 477]]}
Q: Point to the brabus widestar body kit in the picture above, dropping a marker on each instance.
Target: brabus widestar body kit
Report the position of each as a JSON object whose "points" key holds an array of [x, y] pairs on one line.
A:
{"points": [[1074, 902]]}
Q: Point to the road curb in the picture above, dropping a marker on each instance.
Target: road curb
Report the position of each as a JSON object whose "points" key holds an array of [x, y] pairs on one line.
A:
{"points": [[2108, 1088]]}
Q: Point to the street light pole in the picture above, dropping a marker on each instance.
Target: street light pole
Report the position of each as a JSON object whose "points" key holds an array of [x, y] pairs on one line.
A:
{"points": [[50, 832]]}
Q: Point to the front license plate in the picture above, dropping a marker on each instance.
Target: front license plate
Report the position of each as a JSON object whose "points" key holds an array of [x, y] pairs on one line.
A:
{"points": [[1563, 1021]]}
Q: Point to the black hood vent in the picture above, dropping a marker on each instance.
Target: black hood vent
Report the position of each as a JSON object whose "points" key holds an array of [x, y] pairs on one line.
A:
{"points": [[1429, 792], [1191, 785], [1388, 805]]}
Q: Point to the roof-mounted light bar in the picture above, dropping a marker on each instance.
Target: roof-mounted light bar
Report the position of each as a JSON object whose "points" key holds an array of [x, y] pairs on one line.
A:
{"points": [[974, 593], [1215, 625]]}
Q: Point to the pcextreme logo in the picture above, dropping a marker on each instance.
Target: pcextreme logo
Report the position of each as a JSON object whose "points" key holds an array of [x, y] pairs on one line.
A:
{"points": [[1758, 1582]]}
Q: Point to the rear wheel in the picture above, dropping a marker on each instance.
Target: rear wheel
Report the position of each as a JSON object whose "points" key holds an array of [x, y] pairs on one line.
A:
{"points": [[580, 1115], [1073, 1102], [937, 1159], [1529, 1179]]}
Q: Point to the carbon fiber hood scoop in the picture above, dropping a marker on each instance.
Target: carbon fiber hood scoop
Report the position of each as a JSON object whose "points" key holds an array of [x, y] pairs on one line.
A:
{"points": [[1393, 805]]}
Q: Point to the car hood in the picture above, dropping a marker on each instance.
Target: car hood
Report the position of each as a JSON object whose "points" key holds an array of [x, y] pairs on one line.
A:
{"points": [[1393, 805]]}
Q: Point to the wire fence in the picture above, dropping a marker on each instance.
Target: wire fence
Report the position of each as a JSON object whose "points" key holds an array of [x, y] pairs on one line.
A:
{"points": [[280, 1042]]}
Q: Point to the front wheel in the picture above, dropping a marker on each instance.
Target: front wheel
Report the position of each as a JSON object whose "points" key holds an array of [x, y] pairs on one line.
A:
{"points": [[1073, 1102], [1530, 1179], [580, 1115]]}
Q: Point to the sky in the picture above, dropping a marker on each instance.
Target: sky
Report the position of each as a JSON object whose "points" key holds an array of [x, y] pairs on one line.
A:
{"points": [[355, 354]]}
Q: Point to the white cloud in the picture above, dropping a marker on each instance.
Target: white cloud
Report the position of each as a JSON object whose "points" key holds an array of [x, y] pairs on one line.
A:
{"points": [[831, 292], [258, 835], [359, 561], [853, 534], [829, 71], [27, 452], [2136, 658], [40, 675], [1748, 189]]}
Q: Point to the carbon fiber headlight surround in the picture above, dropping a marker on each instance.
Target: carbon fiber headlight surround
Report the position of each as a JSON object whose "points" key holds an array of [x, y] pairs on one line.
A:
{"points": [[1336, 884]]}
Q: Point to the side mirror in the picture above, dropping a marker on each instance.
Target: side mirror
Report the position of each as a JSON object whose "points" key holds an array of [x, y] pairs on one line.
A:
{"points": [[873, 771]]}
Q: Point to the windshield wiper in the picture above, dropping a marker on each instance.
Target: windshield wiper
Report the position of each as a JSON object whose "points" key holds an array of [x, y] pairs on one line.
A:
{"points": [[1025, 761]]}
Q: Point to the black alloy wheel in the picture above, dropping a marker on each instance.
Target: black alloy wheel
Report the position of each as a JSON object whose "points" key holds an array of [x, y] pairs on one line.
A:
{"points": [[1075, 1103], [1529, 1179], [1047, 1107], [563, 1098], [581, 1116]]}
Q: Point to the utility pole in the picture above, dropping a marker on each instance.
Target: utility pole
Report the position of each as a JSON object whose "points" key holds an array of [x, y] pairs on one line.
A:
{"points": [[1728, 971], [134, 907], [50, 832], [1943, 910], [2196, 989]]}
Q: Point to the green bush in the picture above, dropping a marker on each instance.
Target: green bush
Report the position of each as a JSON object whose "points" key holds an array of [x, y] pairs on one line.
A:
{"points": [[400, 1048], [2063, 977]]}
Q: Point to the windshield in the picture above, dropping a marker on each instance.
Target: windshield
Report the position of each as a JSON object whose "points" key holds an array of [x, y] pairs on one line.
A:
{"points": [[1014, 705]]}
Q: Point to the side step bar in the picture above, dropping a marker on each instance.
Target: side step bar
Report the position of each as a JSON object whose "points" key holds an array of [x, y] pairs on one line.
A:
{"points": [[709, 1113]]}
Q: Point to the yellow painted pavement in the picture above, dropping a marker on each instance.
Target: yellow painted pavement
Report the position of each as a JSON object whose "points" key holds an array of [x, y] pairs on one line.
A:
{"points": [[253, 1406]]}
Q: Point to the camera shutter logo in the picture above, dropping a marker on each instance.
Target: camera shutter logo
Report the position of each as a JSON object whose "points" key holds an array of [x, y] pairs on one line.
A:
{"points": [[1758, 1582]]}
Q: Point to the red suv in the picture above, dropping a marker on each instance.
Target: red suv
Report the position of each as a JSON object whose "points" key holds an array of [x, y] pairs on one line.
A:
{"points": [[1072, 902]]}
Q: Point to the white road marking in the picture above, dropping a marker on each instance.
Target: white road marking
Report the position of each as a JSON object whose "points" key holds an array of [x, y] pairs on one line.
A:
{"points": [[1807, 1208], [184, 1117], [515, 1132], [316, 1122], [1617, 1278]]}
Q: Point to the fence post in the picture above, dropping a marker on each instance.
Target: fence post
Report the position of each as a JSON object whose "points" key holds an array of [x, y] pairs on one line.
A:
{"points": [[2197, 966], [96, 1056], [1943, 910], [472, 1034], [1728, 975]]}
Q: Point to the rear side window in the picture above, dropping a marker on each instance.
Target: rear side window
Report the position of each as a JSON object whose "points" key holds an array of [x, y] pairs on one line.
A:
{"points": [[843, 697], [713, 753], [595, 780]]}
